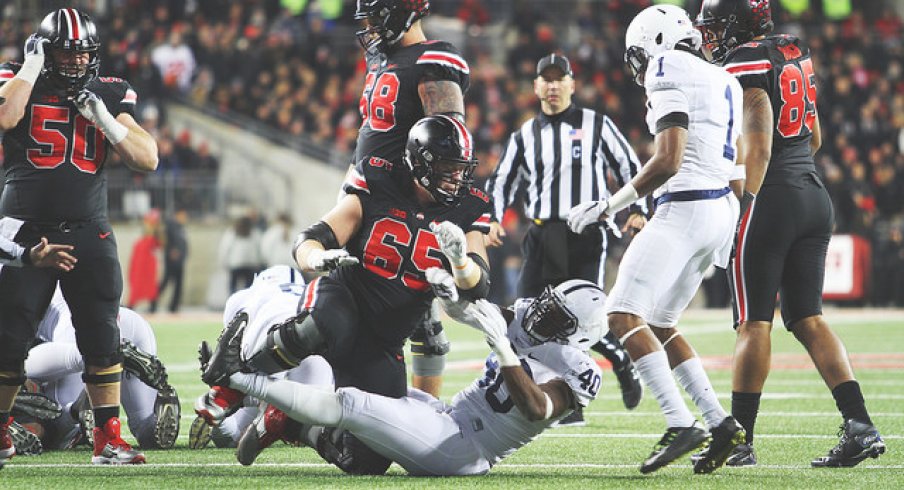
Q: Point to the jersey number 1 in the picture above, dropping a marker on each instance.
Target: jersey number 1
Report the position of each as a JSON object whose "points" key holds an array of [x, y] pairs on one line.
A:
{"points": [[55, 144]]}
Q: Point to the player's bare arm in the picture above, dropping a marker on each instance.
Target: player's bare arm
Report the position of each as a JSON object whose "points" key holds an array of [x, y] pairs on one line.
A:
{"points": [[531, 398], [138, 149], [816, 140], [15, 93], [342, 222], [755, 149], [442, 97]]}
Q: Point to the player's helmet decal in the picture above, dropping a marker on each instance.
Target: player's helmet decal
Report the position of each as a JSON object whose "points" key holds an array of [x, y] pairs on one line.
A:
{"points": [[70, 31], [727, 24], [387, 21], [440, 155]]}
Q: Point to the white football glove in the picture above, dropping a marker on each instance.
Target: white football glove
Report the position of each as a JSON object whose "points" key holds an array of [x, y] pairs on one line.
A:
{"points": [[488, 319], [93, 109], [34, 58], [446, 292], [586, 214], [451, 241], [35, 46], [327, 260]]}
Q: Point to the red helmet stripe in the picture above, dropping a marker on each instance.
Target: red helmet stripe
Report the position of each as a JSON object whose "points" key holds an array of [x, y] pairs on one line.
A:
{"points": [[75, 22], [464, 137]]}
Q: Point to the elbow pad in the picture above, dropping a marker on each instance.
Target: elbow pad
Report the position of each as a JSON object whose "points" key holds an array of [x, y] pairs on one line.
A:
{"points": [[319, 232], [482, 288]]}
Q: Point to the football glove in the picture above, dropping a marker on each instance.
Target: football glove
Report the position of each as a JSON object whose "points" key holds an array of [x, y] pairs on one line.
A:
{"points": [[488, 319], [586, 214], [451, 241], [35, 45], [327, 260], [446, 292], [93, 109], [34, 59]]}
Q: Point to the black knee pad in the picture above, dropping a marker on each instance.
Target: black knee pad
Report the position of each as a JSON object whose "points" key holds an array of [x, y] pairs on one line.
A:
{"points": [[349, 454], [12, 372]]}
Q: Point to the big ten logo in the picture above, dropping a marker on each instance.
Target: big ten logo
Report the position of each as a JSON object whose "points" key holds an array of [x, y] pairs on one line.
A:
{"points": [[380, 162]]}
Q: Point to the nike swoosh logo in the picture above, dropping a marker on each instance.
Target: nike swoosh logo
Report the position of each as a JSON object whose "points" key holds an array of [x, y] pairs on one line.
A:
{"points": [[104, 235], [531, 355]]}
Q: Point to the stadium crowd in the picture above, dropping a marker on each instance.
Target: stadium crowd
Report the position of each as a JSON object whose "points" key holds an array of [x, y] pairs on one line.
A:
{"points": [[300, 72]]}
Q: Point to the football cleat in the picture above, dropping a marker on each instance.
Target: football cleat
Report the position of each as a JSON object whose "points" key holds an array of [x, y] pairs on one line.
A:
{"points": [[226, 359], [858, 442], [109, 448], [26, 442], [725, 437], [217, 404], [36, 405], [146, 367], [574, 419], [168, 412], [676, 442], [7, 449], [269, 426], [629, 382], [742, 455], [199, 434]]}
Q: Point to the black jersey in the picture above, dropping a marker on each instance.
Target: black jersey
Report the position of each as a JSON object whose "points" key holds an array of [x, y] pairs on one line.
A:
{"points": [[54, 157], [781, 66], [396, 246], [390, 103]]}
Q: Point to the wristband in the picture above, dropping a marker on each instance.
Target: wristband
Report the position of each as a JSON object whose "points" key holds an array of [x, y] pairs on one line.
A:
{"points": [[31, 69], [114, 130], [622, 199], [549, 406], [26, 256], [506, 356]]}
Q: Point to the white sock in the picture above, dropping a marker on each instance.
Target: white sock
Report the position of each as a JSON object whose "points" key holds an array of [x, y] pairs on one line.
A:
{"points": [[693, 379], [304, 403], [654, 371]]}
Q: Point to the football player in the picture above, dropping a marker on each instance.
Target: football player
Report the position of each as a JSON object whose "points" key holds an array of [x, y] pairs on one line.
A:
{"points": [[359, 316], [408, 77], [537, 373], [59, 120], [693, 109], [786, 224], [55, 366], [271, 300]]}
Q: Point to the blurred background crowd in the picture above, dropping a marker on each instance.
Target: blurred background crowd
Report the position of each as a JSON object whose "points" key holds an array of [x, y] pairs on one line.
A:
{"points": [[292, 71]]}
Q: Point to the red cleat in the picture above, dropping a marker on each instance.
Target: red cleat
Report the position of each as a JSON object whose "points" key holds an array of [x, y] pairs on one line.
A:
{"points": [[269, 426], [7, 450], [218, 403], [109, 448]]}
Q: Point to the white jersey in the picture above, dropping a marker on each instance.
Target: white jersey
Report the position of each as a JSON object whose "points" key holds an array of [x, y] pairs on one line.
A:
{"points": [[678, 81], [486, 409]]}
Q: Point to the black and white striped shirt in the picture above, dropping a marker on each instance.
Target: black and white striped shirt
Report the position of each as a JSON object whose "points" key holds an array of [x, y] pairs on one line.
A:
{"points": [[561, 161]]}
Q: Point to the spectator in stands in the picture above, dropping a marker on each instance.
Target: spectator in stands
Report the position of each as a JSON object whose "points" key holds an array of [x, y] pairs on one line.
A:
{"points": [[176, 63], [143, 267], [277, 241], [240, 253]]}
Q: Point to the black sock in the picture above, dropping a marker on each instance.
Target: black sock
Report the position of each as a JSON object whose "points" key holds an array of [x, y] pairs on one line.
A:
{"points": [[103, 414], [849, 401], [744, 408]]}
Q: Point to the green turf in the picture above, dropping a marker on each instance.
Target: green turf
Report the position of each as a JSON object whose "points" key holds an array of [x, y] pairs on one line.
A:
{"points": [[798, 422]]}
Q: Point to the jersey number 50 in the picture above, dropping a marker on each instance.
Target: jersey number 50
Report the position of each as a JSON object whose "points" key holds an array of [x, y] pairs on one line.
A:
{"points": [[798, 99], [54, 143]]}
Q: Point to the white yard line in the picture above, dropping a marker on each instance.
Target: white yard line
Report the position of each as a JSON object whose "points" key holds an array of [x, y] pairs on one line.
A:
{"points": [[13, 466]]}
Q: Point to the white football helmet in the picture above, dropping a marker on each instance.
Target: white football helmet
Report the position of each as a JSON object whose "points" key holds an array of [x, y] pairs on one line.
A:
{"points": [[572, 313], [277, 276], [657, 29]]}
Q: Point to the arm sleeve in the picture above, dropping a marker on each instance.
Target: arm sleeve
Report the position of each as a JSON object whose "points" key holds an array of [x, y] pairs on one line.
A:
{"points": [[503, 184]]}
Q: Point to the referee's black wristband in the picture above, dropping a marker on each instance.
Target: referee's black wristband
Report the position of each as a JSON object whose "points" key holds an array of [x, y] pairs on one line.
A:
{"points": [[26, 256]]}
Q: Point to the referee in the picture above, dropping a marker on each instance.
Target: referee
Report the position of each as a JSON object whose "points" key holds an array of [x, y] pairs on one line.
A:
{"points": [[557, 160]]}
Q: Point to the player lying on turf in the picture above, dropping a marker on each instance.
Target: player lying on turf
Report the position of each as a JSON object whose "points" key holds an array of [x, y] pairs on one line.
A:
{"points": [[271, 300], [539, 372], [62, 417]]}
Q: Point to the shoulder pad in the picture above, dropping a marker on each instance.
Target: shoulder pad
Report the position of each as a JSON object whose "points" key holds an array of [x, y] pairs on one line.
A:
{"points": [[665, 70], [8, 70], [443, 54]]}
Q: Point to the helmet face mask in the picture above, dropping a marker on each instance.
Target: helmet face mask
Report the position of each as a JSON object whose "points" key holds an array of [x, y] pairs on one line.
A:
{"points": [[439, 154], [572, 313], [385, 22], [72, 34], [547, 318]]}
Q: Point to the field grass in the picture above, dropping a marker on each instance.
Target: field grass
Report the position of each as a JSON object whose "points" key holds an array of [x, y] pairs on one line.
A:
{"points": [[798, 421]]}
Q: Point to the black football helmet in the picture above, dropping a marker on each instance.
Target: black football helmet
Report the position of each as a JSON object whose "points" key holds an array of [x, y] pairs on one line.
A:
{"points": [[572, 313], [70, 30], [388, 21], [440, 155], [727, 24]]}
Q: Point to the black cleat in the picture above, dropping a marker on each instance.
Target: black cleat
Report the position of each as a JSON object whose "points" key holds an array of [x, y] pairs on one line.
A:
{"points": [[36, 405], [226, 359], [25, 441], [574, 419], [676, 442], [147, 367], [725, 437], [858, 442], [168, 412], [742, 455], [629, 382]]}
